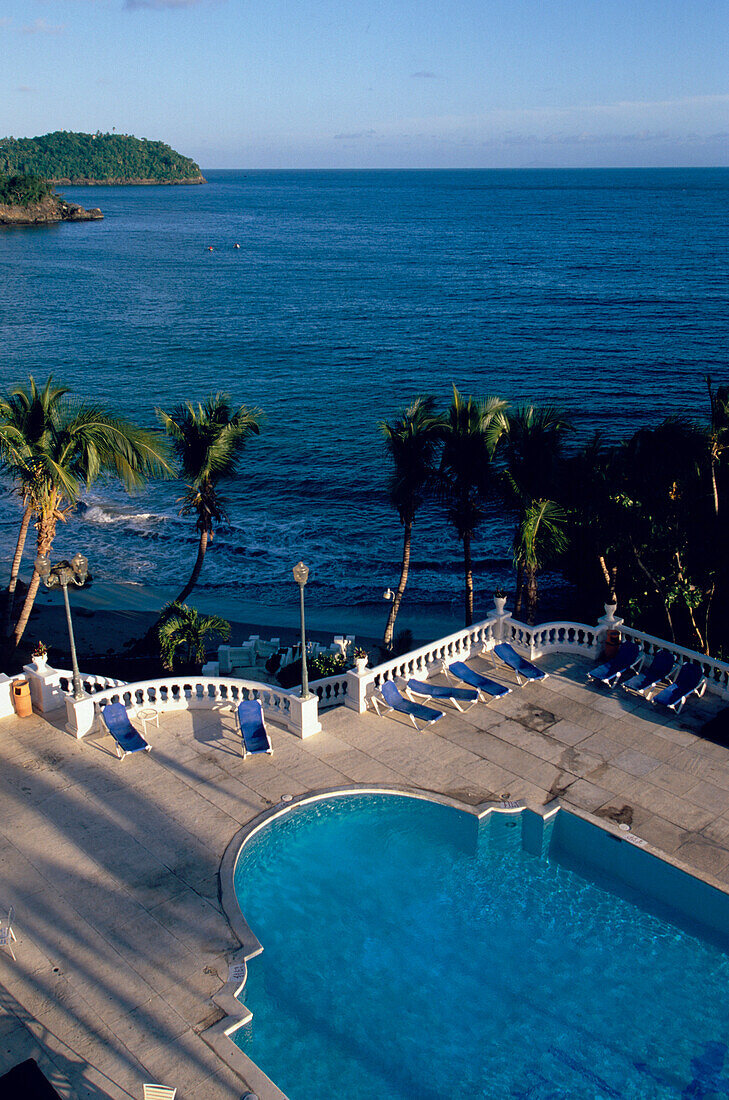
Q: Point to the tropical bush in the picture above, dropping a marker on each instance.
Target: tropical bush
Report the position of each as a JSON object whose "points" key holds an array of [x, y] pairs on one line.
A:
{"points": [[183, 634], [23, 190]]}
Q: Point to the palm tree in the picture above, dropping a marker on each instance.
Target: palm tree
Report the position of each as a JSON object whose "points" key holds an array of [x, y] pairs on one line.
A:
{"points": [[410, 441], [207, 441], [81, 442], [25, 418], [469, 433], [531, 444], [718, 434], [183, 627], [540, 538]]}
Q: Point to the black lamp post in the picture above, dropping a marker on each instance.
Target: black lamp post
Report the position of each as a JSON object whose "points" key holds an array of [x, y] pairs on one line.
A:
{"points": [[301, 576], [60, 576]]}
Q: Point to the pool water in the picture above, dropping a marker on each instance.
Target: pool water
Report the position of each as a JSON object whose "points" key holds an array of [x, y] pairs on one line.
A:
{"points": [[411, 952]]}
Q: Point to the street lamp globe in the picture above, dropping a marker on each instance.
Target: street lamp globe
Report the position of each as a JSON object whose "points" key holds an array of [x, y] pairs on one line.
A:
{"points": [[80, 566], [43, 566], [301, 573]]}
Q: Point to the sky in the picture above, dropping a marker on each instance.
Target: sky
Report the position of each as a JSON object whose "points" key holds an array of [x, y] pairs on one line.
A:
{"points": [[378, 83]]}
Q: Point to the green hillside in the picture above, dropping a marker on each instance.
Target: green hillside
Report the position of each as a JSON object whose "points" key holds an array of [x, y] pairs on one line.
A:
{"points": [[98, 158]]}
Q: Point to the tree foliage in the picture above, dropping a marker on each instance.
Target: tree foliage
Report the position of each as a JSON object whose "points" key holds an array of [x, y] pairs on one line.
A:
{"points": [[19, 190], [183, 633], [208, 441], [64, 155]]}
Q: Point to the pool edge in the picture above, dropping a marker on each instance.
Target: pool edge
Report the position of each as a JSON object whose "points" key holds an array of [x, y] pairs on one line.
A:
{"points": [[219, 1035]]}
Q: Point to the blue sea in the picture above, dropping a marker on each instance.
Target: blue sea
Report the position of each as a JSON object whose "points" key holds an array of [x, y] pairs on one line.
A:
{"points": [[352, 292]]}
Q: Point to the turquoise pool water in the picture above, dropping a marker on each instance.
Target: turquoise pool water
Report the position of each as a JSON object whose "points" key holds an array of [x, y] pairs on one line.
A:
{"points": [[410, 952]]}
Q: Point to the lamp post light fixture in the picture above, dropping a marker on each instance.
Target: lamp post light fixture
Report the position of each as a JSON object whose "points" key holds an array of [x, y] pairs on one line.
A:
{"points": [[301, 576], [61, 575]]}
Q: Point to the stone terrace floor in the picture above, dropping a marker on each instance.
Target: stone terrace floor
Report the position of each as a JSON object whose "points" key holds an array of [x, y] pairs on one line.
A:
{"points": [[113, 866]]}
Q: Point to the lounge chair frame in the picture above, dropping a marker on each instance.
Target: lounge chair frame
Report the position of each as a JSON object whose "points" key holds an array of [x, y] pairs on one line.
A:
{"points": [[484, 694], [610, 679], [540, 674], [652, 679], [268, 750], [698, 690], [378, 701], [415, 687], [121, 752]]}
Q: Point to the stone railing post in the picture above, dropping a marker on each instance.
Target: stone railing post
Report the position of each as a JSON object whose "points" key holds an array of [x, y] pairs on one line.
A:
{"points": [[304, 716], [45, 688], [357, 684], [608, 621], [501, 617], [6, 695]]}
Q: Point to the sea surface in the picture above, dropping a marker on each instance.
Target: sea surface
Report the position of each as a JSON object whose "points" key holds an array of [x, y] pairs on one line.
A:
{"points": [[352, 292]]}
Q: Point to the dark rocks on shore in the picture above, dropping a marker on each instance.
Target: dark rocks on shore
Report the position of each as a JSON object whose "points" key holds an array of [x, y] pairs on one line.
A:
{"points": [[46, 212], [120, 181]]}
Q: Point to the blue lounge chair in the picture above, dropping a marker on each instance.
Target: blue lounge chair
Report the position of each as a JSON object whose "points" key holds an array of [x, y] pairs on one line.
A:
{"points": [[523, 669], [486, 688], [690, 681], [660, 669], [393, 700], [253, 732], [627, 659], [453, 695], [128, 740]]}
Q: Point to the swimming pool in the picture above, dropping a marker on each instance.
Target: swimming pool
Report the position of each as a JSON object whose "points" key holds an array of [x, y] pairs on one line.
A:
{"points": [[413, 952]]}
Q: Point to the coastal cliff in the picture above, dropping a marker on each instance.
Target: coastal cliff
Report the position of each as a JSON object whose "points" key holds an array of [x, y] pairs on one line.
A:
{"points": [[96, 159], [46, 211]]}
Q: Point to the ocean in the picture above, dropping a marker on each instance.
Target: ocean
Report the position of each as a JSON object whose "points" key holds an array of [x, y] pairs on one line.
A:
{"points": [[604, 291]]}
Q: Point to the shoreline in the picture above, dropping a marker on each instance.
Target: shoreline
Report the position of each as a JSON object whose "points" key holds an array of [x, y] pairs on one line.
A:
{"points": [[108, 617]]}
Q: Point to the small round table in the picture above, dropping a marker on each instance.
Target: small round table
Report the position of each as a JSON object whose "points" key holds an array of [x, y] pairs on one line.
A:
{"points": [[148, 714]]}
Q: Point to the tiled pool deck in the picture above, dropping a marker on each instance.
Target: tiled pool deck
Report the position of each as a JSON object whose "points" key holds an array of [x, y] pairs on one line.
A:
{"points": [[113, 866]]}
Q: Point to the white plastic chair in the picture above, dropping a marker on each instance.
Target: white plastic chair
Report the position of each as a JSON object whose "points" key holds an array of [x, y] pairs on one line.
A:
{"points": [[7, 936], [159, 1092]]}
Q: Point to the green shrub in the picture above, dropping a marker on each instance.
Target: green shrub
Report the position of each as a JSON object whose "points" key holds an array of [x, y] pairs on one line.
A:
{"points": [[23, 190]]}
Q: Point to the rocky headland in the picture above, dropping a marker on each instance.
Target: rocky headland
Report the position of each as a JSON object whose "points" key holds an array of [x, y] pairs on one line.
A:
{"points": [[46, 211]]}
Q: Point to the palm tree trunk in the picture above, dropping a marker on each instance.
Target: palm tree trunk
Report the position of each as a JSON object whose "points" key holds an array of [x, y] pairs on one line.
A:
{"points": [[15, 569], [404, 570], [532, 594], [26, 610], [519, 588], [468, 574], [44, 542], [202, 547], [714, 486]]}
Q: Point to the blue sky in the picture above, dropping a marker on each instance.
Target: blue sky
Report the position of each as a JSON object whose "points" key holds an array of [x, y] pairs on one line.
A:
{"points": [[378, 83]]}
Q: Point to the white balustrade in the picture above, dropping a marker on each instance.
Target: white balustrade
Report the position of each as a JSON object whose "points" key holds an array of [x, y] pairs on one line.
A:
{"points": [[90, 682], [715, 671], [536, 641], [331, 691], [418, 663], [199, 692], [562, 637]]}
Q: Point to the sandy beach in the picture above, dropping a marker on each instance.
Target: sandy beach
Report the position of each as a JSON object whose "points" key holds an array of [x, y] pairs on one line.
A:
{"points": [[108, 618]]}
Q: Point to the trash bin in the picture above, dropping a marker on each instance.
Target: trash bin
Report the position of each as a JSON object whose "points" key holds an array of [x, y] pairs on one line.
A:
{"points": [[21, 698], [612, 643]]}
